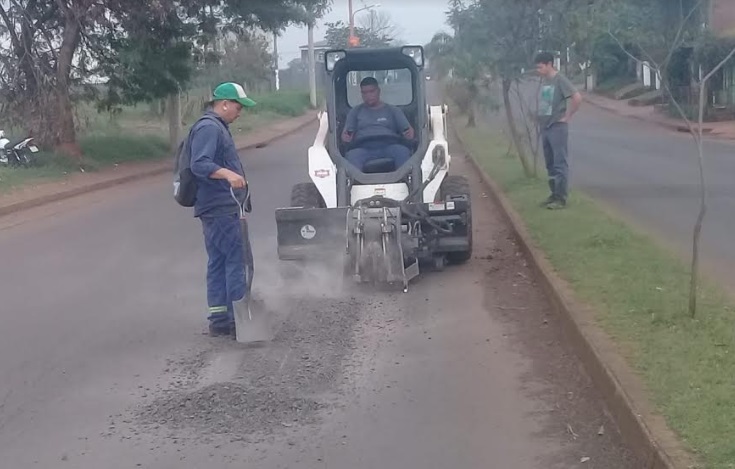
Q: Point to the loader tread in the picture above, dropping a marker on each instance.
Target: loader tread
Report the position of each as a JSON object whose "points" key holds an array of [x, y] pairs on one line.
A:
{"points": [[306, 195], [455, 185]]}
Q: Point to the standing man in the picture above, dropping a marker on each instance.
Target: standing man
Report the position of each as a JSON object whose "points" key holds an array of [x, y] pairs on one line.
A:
{"points": [[220, 174], [553, 119]]}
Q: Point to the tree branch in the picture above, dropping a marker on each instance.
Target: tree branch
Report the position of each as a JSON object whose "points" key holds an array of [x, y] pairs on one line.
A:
{"points": [[655, 67], [675, 44], [11, 30]]}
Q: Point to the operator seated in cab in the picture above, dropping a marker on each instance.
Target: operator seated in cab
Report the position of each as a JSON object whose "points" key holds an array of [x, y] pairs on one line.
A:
{"points": [[376, 128]]}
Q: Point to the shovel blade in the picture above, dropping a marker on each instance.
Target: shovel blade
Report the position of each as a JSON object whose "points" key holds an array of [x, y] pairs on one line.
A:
{"points": [[251, 325]]}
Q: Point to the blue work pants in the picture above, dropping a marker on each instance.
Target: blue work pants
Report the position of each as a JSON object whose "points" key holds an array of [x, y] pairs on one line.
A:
{"points": [[230, 267], [359, 156]]}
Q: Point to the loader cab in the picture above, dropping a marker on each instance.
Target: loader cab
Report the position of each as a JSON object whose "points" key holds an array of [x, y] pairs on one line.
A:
{"points": [[399, 73]]}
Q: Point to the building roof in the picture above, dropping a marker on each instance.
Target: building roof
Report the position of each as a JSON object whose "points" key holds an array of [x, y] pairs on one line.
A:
{"points": [[317, 45]]}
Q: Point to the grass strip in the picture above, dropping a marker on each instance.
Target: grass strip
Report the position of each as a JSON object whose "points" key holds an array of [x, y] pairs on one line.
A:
{"points": [[640, 293]]}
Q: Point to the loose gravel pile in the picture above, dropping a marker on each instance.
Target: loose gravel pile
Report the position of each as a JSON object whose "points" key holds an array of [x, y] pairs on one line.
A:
{"points": [[280, 385]]}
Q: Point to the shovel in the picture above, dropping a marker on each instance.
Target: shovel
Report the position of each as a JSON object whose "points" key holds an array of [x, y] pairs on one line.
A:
{"points": [[251, 326]]}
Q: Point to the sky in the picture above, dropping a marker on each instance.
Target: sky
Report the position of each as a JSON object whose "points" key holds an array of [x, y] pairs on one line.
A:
{"points": [[403, 13]]}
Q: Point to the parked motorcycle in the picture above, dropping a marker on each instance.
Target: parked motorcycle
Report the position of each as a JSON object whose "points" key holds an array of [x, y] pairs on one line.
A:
{"points": [[16, 154]]}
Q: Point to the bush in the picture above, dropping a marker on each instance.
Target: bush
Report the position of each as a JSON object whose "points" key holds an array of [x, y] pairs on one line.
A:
{"points": [[285, 103]]}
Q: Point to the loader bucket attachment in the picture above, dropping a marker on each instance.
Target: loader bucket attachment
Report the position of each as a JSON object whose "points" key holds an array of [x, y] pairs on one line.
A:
{"points": [[375, 249], [317, 234]]}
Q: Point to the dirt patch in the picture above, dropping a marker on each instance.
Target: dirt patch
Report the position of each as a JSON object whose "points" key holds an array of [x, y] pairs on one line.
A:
{"points": [[574, 411]]}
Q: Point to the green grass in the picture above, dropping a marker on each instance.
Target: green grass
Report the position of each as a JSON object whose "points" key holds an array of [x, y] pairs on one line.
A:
{"points": [[640, 292], [100, 150], [285, 103], [53, 168], [138, 134], [105, 150]]}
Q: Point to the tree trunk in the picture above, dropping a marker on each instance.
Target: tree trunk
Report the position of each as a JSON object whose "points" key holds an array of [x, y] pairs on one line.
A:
{"points": [[694, 279], [471, 120], [276, 80], [65, 139], [174, 120], [520, 149]]}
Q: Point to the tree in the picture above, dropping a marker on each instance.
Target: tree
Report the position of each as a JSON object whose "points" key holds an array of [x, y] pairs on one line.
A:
{"points": [[714, 55], [503, 36], [580, 27], [147, 61], [439, 54], [56, 45], [380, 23]]}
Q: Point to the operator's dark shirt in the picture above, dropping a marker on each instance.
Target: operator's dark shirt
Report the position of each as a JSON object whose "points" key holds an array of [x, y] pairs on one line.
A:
{"points": [[212, 148], [385, 120]]}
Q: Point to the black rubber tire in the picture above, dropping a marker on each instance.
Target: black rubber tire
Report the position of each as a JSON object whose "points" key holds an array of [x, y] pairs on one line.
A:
{"points": [[454, 186], [305, 194]]}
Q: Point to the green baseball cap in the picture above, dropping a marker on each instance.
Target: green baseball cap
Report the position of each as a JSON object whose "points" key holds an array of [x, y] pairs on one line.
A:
{"points": [[232, 92]]}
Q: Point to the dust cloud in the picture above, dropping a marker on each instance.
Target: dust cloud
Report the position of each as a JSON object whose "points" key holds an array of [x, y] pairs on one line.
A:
{"points": [[278, 283]]}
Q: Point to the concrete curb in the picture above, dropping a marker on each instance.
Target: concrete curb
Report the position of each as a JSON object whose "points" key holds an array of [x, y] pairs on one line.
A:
{"points": [[150, 171], [643, 431]]}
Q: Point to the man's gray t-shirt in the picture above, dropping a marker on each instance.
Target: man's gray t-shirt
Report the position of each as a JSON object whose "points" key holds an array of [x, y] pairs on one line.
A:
{"points": [[371, 122], [553, 96]]}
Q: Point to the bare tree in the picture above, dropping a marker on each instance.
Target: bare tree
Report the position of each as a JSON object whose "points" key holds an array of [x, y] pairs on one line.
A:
{"points": [[528, 107], [695, 130], [380, 22]]}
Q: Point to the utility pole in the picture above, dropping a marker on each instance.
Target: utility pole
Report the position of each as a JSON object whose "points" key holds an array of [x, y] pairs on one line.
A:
{"points": [[275, 59], [352, 20], [312, 66]]}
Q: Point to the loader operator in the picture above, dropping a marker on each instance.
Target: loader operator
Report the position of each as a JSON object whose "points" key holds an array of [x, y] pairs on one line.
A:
{"points": [[379, 124]]}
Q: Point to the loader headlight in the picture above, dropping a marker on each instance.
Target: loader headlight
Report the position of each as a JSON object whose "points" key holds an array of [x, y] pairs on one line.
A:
{"points": [[416, 53], [332, 57]]}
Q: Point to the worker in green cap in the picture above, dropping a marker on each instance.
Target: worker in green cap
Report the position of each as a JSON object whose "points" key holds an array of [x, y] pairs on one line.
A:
{"points": [[221, 191]]}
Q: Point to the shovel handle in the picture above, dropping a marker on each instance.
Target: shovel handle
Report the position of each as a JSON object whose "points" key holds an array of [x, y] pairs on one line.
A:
{"points": [[241, 206]]}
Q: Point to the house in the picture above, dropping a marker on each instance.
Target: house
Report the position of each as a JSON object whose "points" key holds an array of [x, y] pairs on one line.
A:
{"points": [[684, 70], [722, 18], [298, 78], [320, 47]]}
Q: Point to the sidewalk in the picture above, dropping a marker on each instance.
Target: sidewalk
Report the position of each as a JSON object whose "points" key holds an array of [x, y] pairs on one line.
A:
{"points": [[720, 130], [34, 195]]}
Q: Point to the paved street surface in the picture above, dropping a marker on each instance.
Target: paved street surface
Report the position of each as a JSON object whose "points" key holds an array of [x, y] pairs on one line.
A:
{"points": [[649, 175], [104, 362]]}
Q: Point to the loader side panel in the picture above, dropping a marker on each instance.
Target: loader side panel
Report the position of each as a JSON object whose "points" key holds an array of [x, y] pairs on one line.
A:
{"points": [[311, 233], [323, 172]]}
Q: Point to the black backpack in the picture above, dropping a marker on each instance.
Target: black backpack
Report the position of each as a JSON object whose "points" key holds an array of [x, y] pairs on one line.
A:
{"points": [[185, 182]]}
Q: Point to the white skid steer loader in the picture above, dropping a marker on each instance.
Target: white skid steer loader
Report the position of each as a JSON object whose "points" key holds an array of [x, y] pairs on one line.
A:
{"points": [[382, 221]]}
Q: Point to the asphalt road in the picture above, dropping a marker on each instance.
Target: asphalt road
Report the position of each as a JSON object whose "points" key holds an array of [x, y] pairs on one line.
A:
{"points": [[650, 175], [104, 362]]}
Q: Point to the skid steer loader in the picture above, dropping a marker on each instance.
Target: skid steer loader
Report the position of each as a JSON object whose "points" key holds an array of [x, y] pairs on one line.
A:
{"points": [[383, 222]]}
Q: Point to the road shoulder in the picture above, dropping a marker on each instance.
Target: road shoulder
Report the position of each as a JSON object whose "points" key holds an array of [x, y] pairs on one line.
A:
{"points": [[715, 130], [643, 429]]}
